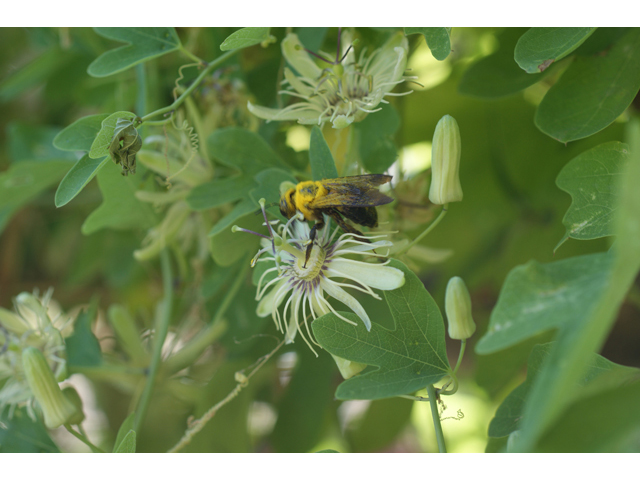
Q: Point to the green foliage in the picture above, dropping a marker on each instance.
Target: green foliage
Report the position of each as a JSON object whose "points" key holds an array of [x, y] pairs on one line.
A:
{"points": [[375, 139], [541, 46], [80, 135], [438, 39], [592, 180], [33, 142], [77, 178], [101, 143], [593, 92], [143, 44], [409, 358], [83, 349], [320, 158], [125, 428], [128, 444], [246, 37], [21, 434]]}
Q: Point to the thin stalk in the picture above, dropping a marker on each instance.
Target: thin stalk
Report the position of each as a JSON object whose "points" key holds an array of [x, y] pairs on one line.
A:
{"points": [[462, 348], [192, 56], [83, 439], [162, 327], [192, 350], [443, 212], [442, 448], [211, 66]]}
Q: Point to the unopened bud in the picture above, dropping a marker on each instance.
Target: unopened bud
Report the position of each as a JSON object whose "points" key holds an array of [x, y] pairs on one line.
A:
{"points": [[57, 409], [125, 144], [348, 368], [457, 305], [445, 162], [12, 322], [72, 395]]}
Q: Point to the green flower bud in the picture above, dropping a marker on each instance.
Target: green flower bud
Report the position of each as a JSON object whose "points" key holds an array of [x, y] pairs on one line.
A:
{"points": [[457, 305], [126, 330], [13, 322], [125, 143], [57, 409], [72, 395], [348, 368], [445, 162]]}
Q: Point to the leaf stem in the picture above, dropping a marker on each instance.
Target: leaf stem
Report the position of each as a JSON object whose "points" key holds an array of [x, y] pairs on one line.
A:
{"points": [[443, 212], [83, 439], [215, 63], [442, 448], [460, 355], [161, 329], [192, 56]]}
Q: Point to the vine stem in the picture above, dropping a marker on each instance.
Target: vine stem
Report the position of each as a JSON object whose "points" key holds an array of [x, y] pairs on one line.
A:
{"points": [[442, 448], [460, 355], [443, 212], [211, 333], [215, 63], [162, 327], [192, 56], [83, 439], [243, 381]]}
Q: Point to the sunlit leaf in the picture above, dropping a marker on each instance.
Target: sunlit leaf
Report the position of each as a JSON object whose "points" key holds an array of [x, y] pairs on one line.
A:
{"points": [[77, 178], [128, 444], [593, 92], [408, 358], [592, 179], [438, 39], [143, 43], [541, 46], [124, 429], [246, 37]]}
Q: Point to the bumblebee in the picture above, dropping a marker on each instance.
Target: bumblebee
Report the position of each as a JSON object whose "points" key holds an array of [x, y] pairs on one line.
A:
{"points": [[354, 198]]}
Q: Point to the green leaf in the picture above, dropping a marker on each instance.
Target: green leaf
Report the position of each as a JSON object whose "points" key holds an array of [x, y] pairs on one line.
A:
{"points": [[120, 208], [601, 373], [593, 92], [498, 75], [24, 181], [322, 164], [541, 46], [218, 192], [128, 444], [79, 136], [592, 179], [574, 345], [375, 139], [83, 348], [228, 247], [34, 73], [269, 181], [100, 146], [438, 39], [124, 429], [537, 297], [142, 44], [409, 358], [20, 434], [33, 142], [381, 424], [311, 37], [246, 37], [244, 150], [328, 450], [77, 178]]}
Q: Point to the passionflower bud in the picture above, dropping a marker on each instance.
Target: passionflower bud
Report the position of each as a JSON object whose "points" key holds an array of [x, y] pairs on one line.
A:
{"points": [[125, 143], [457, 305], [348, 368], [445, 162], [57, 408]]}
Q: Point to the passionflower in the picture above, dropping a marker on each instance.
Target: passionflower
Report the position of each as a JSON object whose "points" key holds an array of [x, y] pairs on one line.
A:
{"points": [[340, 91], [330, 271]]}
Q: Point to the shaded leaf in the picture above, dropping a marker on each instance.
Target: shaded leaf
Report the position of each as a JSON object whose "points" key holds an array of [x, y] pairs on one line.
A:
{"points": [[537, 297], [100, 146], [228, 247], [381, 424], [32, 74], [120, 208], [409, 358], [77, 178], [311, 37], [142, 44], [498, 75], [218, 192], [592, 179], [125, 427], [20, 434], [244, 150], [33, 142], [79, 136], [83, 348], [593, 92], [375, 139], [320, 158], [128, 444], [269, 188], [541, 46], [438, 39], [246, 37], [328, 450]]}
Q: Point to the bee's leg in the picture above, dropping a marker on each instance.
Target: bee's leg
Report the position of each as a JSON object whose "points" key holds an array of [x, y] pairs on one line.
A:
{"points": [[312, 236], [348, 228]]}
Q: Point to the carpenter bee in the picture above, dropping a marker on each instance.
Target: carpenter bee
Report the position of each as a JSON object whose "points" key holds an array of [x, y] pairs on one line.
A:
{"points": [[354, 198]]}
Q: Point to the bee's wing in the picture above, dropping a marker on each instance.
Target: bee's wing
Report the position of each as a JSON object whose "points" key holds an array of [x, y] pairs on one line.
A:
{"points": [[352, 196], [361, 181]]}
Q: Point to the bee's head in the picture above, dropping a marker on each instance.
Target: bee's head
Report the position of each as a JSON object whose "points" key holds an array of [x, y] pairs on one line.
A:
{"points": [[287, 203]]}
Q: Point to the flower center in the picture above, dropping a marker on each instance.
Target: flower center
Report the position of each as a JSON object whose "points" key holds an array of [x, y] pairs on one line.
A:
{"points": [[314, 265]]}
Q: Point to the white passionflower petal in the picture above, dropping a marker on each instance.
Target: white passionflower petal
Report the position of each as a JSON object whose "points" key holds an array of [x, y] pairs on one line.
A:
{"points": [[340, 93], [303, 285]]}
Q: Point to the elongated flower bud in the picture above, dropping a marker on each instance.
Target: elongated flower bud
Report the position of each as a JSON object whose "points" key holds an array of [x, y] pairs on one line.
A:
{"points": [[348, 368], [57, 409], [457, 305], [445, 162]]}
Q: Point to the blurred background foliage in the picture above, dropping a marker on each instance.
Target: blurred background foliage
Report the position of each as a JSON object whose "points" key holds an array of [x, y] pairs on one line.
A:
{"points": [[512, 212]]}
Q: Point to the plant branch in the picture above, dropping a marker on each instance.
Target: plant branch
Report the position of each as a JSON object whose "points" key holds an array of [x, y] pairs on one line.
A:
{"points": [[436, 418], [443, 212], [83, 439]]}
